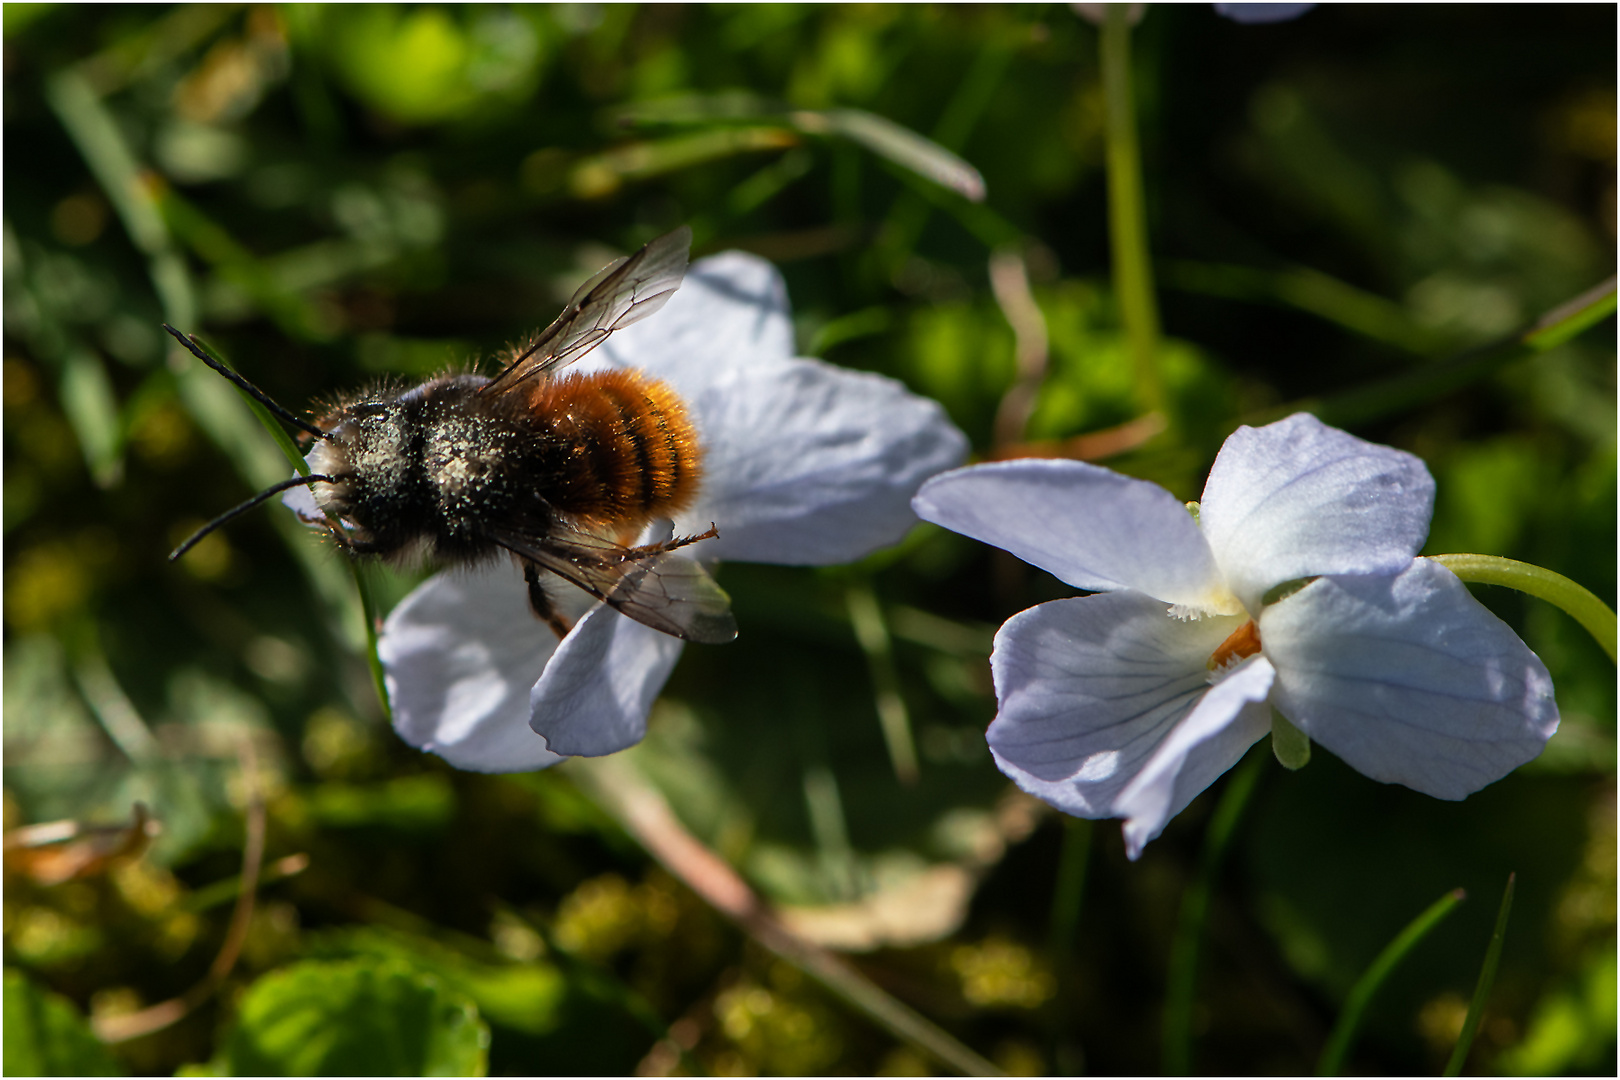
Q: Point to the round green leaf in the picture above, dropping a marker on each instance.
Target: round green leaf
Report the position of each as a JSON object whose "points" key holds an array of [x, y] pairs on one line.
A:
{"points": [[355, 1018], [46, 1036]]}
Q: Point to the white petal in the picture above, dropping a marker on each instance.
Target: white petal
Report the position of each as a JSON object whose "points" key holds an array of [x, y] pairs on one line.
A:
{"points": [[809, 464], [1409, 679], [595, 694], [1089, 526], [1087, 688], [730, 310], [804, 463], [1232, 717], [301, 501], [1298, 498], [1262, 13], [460, 654]]}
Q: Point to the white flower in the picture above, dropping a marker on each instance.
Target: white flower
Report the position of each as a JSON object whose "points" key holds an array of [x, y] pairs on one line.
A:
{"points": [[1130, 702], [804, 464]]}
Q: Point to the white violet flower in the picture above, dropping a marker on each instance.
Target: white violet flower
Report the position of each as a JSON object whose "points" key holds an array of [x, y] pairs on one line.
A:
{"points": [[1129, 702], [804, 464]]}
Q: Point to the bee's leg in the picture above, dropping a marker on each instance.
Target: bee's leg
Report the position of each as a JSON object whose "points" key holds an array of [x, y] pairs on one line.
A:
{"points": [[541, 603], [673, 542]]}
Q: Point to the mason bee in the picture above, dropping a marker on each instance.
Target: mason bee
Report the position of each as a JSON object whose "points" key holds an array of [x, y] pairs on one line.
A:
{"points": [[561, 471]]}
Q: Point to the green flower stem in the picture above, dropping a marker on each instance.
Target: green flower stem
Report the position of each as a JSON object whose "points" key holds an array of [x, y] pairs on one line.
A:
{"points": [[1127, 213], [1556, 589], [1482, 989], [1361, 994], [1183, 978]]}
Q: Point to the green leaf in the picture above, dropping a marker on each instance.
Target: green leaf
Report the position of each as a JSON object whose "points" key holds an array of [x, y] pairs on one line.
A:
{"points": [[1572, 1027], [528, 997], [92, 409], [46, 1036], [355, 1018], [411, 804], [425, 66]]}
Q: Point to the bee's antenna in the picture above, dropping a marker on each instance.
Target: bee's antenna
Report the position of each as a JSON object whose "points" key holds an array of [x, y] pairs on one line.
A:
{"points": [[273, 489], [242, 384]]}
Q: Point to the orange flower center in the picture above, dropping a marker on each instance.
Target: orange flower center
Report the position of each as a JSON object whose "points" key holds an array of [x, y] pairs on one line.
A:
{"points": [[1244, 643]]}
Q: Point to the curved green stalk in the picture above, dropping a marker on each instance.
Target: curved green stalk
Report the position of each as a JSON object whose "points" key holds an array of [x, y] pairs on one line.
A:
{"points": [[1127, 212], [1361, 994], [1578, 602], [1183, 977]]}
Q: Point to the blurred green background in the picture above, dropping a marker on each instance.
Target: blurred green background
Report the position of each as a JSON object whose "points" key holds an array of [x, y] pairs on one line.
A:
{"points": [[329, 195]]}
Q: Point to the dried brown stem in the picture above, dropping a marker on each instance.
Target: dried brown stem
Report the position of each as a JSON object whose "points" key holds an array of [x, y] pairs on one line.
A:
{"points": [[1009, 280], [620, 790], [157, 1017], [1092, 446]]}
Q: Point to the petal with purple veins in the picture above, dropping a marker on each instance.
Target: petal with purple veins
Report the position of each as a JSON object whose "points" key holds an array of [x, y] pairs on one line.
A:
{"points": [[804, 463], [1089, 526], [459, 655], [1298, 498], [1088, 688], [1229, 719], [1409, 679], [809, 464], [731, 310], [594, 695]]}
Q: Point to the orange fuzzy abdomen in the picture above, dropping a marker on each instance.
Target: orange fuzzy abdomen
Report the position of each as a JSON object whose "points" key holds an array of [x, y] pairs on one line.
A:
{"points": [[629, 453]]}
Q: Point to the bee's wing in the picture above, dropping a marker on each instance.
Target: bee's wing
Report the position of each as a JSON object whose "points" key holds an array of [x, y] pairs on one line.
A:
{"points": [[660, 589], [622, 293]]}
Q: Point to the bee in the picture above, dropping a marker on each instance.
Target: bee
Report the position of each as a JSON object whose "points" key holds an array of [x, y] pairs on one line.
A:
{"points": [[560, 470]]}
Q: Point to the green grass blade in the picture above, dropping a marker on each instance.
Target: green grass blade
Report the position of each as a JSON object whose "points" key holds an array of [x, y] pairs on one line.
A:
{"points": [[369, 614], [1482, 989], [901, 145], [1305, 289], [372, 618], [1412, 388], [1344, 1031], [866, 618], [1184, 949], [1071, 886]]}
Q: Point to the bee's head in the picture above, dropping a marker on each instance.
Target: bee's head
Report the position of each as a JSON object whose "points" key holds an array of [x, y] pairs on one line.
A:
{"points": [[317, 477]]}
